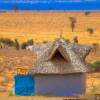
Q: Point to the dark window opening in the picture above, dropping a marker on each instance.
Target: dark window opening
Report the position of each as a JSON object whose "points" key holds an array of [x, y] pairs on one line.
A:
{"points": [[58, 56]]}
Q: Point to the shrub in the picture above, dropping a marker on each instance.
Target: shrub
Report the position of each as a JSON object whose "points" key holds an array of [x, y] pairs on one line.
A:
{"points": [[30, 42], [95, 45], [67, 40], [75, 39], [90, 30], [87, 13], [94, 89], [10, 93], [45, 42], [96, 66], [17, 45], [24, 45], [7, 41]]}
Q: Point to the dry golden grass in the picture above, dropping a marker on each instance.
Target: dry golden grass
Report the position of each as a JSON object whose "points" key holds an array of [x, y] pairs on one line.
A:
{"points": [[93, 56], [36, 98], [9, 60], [47, 25], [93, 83]]}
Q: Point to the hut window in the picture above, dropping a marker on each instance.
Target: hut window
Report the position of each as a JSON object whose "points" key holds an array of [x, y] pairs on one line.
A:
{"points": [[58, 56]]}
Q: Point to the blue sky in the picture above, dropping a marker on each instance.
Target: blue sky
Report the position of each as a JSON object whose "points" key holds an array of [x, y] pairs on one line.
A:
{"points": [[50, 4]]}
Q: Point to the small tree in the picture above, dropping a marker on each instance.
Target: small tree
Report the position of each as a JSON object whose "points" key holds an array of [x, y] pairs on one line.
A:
{"points": [[87, 13], [72, 23], [30, 42], [17, 45], [90, 30], [24, 45], [75, 39]]}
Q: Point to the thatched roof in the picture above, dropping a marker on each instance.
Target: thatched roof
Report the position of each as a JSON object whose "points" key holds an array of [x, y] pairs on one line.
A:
{"points": [[72, 58]]}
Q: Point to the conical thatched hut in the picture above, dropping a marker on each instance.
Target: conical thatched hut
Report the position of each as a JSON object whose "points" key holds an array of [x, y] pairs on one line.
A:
{"points": [[60, 68]]}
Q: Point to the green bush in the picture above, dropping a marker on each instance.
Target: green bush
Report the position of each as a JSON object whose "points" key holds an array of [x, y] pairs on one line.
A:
{"points": [[30, 42], [7, 41], [15, 43], [10, 93], [24, 45], [96, 66]]}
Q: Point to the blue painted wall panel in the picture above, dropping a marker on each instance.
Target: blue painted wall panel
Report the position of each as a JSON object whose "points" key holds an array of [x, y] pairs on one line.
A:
{"points": [[24, 85]]}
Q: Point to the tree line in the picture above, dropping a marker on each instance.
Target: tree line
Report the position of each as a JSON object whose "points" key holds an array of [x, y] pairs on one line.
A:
{"points": [[14, 43]]}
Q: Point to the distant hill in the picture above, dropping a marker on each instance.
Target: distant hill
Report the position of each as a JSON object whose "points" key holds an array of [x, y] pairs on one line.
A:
{"points": [[48, 25]]}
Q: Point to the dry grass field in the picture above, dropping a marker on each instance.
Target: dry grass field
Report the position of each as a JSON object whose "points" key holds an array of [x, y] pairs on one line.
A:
{"points": [[36, 98], [43, 24], [10, 59]]}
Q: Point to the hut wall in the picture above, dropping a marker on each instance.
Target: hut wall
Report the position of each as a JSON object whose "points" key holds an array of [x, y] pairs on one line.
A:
{"points": [[60, 85]]}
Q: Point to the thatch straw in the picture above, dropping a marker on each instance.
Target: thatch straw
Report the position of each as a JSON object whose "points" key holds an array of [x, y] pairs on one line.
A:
{"points": [[74, 55]]}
